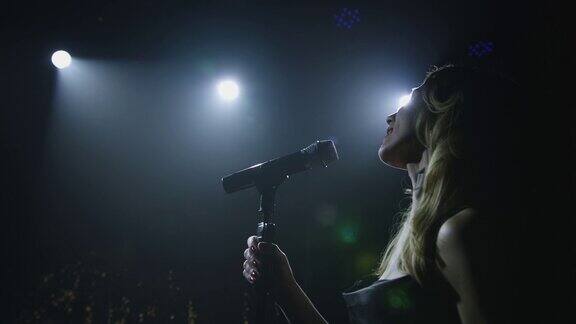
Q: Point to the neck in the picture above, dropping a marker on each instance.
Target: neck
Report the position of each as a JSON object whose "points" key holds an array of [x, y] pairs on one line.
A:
{"points": [[416, 172]]}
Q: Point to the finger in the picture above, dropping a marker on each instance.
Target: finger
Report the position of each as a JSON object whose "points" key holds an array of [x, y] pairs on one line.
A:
{"points": [[251, 275], [268, 248], [250, 254], [247, 276], [253, 240], [253, 244], [254, 262], [254, 274], [252, 258], [251, 263]]}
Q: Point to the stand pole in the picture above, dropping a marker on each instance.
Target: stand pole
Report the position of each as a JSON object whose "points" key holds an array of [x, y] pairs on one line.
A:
{"points": [[262, 305], [266, 231]]}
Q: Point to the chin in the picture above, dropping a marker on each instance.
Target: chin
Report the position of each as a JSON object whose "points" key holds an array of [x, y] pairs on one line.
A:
{"points": [[389, 158]]}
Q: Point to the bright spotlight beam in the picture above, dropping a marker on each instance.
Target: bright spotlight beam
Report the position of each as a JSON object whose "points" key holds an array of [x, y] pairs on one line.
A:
{"points": [[61, 59], [404, 100], [228, 90]]}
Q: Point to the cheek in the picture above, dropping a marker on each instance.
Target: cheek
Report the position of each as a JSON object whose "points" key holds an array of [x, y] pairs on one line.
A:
{"points": [[406, 128], [405, 134], [397, 147]]}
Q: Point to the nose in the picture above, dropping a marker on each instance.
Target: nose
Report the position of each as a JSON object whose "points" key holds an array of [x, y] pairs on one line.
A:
{"points": [[390, 119]]}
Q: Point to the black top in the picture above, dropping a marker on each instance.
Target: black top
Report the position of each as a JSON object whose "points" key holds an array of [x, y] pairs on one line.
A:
{"points": [[398, 301]]}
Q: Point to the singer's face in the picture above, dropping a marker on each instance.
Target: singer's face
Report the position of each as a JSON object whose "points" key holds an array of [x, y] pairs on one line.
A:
{"points": [[400, 146]]}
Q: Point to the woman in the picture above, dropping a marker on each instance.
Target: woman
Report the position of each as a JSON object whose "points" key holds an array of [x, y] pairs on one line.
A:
{"points": [[451, 261]]}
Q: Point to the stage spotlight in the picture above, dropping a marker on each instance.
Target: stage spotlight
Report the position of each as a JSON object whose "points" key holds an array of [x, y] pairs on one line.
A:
{"points": [[228, 90], [404, 100], [61, 59]]}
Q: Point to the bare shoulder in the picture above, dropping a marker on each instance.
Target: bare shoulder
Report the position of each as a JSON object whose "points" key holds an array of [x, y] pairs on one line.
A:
{"points": [[461, 253], [459, 228], [473, 256], [459, 245]]}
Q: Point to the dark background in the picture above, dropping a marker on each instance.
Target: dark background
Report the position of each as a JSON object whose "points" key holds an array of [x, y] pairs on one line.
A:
{"points": [[112, 206]]}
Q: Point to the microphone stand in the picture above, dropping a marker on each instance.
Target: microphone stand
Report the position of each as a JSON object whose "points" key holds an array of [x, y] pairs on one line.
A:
{"points": [[266, 177], [265, 309]]}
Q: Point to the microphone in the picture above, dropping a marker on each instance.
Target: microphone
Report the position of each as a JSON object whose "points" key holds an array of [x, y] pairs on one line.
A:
{"points": [[319, 153]]}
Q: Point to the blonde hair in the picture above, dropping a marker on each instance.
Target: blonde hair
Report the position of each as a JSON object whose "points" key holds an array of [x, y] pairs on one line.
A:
{"points": [[412, 247]]}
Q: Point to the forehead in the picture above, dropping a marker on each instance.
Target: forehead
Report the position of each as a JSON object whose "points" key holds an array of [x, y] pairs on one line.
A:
{"points": [[418, 89], [414, 94]]}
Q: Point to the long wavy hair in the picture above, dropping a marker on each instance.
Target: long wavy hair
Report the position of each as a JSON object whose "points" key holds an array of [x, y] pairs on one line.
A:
{"points": [[466, 125]]}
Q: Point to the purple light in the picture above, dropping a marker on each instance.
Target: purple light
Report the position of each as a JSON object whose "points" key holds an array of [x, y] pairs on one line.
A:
{"points": [[347, 18], [480, 49]]}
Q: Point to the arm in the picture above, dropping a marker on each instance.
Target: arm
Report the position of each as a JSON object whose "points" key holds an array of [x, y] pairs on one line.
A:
{"points": [[298, 307], [460, 256], [289, 295]]}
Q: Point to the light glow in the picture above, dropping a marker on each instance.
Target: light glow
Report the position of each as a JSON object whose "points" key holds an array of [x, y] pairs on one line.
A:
{"points": [[61, 59], [404, 100], [228, 90]]}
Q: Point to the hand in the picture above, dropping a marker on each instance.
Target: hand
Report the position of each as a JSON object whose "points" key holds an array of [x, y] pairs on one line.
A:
{"points": [[260, 257]]}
